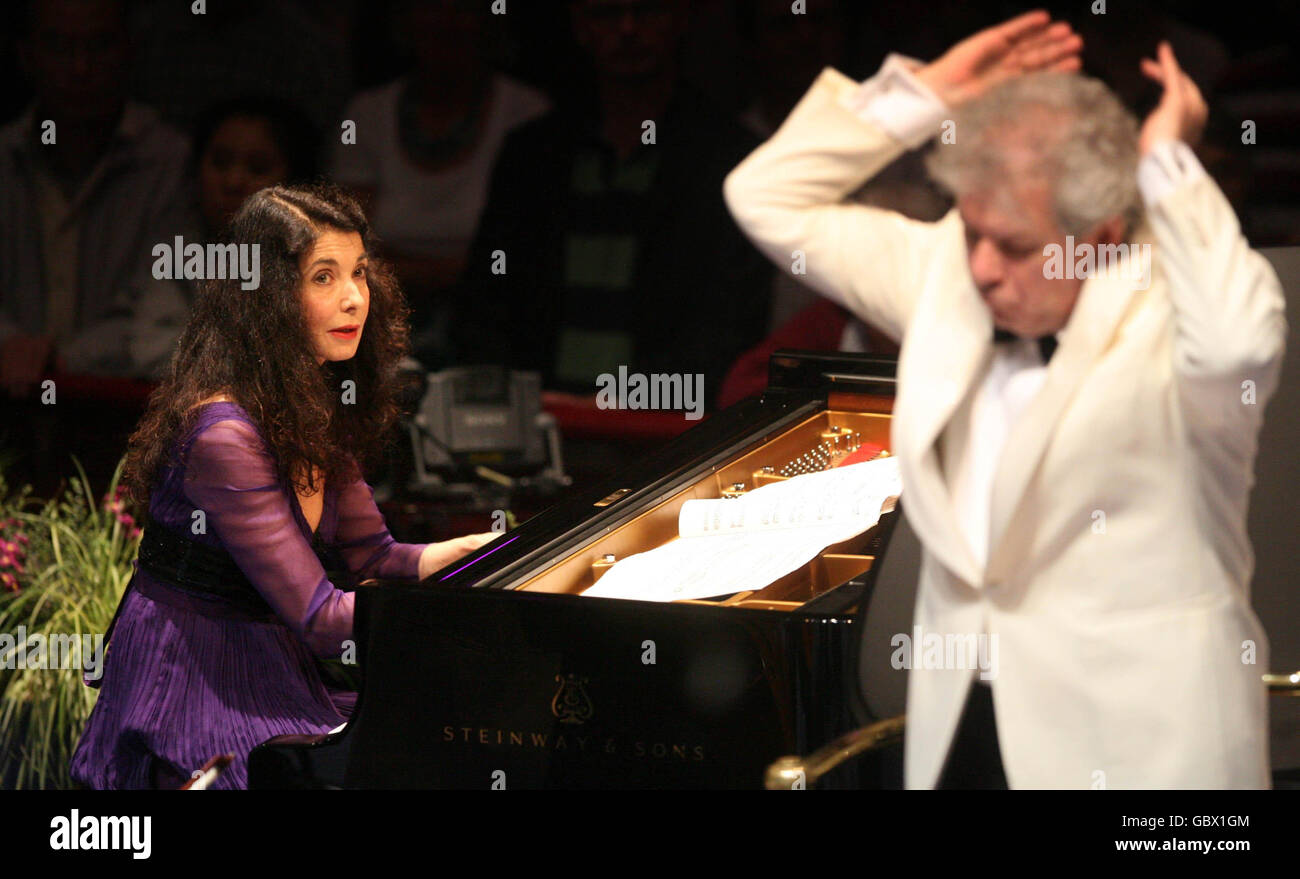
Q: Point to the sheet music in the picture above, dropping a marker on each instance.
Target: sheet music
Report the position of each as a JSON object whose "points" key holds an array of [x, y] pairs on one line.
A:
{"points": [[736, 544]]}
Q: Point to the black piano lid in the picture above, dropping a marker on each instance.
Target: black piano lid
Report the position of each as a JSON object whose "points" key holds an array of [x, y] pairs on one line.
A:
{"points": [[799, 384], [793, 370]]}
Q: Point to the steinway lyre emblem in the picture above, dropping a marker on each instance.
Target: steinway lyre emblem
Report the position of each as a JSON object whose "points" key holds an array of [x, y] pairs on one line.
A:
{"points": [[571, 703]]}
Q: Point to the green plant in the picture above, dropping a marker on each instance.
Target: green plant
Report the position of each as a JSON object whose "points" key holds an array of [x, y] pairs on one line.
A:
{"points": [[64, 564]]}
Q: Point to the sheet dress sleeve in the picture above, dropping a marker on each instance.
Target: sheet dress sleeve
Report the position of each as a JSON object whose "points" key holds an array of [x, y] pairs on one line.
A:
{"points": [[363, 540], [231, 477]]}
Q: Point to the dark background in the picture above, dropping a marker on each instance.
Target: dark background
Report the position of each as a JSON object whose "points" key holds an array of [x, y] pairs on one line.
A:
{"points": [[733, 53]]}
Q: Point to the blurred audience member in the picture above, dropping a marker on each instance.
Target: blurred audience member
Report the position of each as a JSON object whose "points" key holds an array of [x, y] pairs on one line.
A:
{"points": [[185, 62], [89, 183], [424, 150], [783, 52], [1255, 138], [246, 144], [605, 242]]}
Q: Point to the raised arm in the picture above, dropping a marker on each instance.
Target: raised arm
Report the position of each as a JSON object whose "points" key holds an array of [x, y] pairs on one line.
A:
{"points": [[1228, 303], [789, 195], [1228, 309], [231, 477]]}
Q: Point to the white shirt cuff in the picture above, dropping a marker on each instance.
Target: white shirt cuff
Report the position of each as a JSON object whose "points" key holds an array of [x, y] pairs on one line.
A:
{"points": [[898, 102], [1169, 165]]}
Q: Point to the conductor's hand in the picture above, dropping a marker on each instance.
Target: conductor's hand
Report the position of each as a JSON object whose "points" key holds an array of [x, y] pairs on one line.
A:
{"points": [[1025, 44], [437, 556], [1181, 113]]}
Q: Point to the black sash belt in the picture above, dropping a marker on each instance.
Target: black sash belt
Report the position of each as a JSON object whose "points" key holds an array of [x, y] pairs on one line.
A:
{"points": [[207, 571], [197, 567]]}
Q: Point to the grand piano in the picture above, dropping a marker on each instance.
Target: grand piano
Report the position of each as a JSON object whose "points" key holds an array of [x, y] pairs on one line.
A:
{"points": [[497, 672]]}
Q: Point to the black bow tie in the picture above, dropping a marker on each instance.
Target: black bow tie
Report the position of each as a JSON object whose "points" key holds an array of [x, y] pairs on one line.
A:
{"points": [[1046, 344]]}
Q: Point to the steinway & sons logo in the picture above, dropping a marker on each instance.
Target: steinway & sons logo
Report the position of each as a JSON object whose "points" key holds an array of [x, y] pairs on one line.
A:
{"points": [[572, 706], [571, 703]]}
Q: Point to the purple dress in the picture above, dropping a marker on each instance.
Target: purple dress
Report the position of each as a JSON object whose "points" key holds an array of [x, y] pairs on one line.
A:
{"points": [[189, 677]]}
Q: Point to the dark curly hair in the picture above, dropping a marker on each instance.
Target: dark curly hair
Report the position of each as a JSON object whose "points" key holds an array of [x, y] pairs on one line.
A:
{"points": [[253, 345]]}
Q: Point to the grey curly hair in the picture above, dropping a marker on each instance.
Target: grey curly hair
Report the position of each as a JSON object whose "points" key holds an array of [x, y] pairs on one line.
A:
{"points": [[1075, 133]]}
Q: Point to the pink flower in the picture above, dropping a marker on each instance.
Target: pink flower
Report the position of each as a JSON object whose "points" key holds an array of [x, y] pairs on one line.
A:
{"points": [[11, 556]]}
